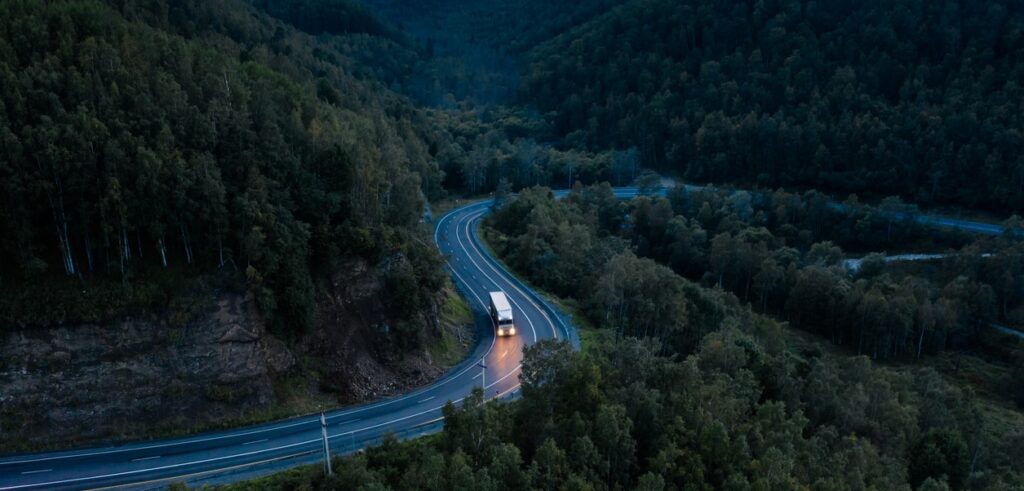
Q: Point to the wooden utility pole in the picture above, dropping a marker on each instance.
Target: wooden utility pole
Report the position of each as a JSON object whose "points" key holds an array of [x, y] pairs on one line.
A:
{"points": [[327, 446]]}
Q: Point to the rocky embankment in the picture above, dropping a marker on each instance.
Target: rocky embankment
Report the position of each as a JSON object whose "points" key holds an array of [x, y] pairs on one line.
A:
{"points": [[89, 382], [136, 378]]}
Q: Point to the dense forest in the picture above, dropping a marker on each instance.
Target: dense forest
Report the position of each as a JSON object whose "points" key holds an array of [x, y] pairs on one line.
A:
{"points": [[155, 148], [736, 410], [683, 386], [772, 250], [146, 136], [327, 17], [911, 98]]}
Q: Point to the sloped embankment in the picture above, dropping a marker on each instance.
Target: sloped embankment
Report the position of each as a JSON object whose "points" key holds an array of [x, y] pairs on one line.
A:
{"points": [[137, 378]]}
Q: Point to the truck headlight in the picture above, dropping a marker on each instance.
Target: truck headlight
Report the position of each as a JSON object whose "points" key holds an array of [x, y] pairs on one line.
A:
{"points": [[512, 330], [501, 332]]}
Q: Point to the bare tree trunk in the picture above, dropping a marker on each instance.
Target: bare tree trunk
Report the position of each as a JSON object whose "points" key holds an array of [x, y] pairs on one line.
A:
{"points": [[88, 251], [125, 246], [125, 250], [163, 251], [61, 223], [184, 239]]}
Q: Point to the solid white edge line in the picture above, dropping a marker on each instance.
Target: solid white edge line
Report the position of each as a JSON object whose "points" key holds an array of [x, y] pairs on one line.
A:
{"points": [[307, 442], [502, 276], [311, 420]]}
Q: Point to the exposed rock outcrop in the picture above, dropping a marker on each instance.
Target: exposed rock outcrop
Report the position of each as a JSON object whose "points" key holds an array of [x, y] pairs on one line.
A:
{"points": [[138, 377], [350, 343], [92, 382]]}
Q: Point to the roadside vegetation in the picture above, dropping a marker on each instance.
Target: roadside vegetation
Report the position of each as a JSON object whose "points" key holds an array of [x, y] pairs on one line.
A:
{"points": [[684, 386], [742, 411], [154, 153]]}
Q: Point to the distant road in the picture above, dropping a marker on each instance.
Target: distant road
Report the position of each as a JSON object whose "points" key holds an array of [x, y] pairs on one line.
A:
{"points": [[937, 221], [242, 453], [853, 264]]}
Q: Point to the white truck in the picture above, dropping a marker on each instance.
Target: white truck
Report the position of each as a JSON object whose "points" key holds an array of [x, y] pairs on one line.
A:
{"points": [[501, 313]]}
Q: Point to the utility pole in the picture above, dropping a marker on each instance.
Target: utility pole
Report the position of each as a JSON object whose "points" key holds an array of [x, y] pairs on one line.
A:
{"points": [[327, 447]]}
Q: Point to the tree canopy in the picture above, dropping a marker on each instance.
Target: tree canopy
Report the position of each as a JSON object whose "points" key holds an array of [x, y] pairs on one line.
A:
{"points": [[140, 136]]}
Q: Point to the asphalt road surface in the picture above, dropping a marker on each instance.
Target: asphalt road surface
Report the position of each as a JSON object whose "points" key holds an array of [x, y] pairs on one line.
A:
{"points": [[247, 452]]}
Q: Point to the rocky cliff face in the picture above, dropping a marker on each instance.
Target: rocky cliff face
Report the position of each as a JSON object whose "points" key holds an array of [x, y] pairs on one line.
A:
{"points": [[139, 377], [354, 362], [89, 382]]}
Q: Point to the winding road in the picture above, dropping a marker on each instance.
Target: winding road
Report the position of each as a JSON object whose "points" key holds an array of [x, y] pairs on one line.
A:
{"points": [[247, 452], [256, 450]]}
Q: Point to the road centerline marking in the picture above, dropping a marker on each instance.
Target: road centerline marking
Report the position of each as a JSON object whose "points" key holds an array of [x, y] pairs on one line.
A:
{"points": [[140, 459], [37, 471], [472, 212], [256, 441]]}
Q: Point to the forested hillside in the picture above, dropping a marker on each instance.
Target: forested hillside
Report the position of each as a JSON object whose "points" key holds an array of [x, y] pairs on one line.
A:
{"points": [[683, 387], [143, 136], [263, 166], [779, 252], [737, 413], [911, 98], [326, 16]]}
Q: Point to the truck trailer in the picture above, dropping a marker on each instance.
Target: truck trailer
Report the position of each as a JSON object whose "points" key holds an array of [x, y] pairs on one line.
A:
{"points": [[501, 313]]}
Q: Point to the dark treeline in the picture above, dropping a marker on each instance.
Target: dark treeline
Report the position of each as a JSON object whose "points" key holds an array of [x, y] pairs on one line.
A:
{"points": [[480, 150], [326, 16], [920, 99], [515, 27], [780, 252], [740, 412], [558, 246], [714, 399], [452, 70], [783, 253], [138, 136]]}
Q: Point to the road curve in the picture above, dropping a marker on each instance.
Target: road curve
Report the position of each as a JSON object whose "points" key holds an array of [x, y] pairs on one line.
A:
{"points": [[244, 452]]}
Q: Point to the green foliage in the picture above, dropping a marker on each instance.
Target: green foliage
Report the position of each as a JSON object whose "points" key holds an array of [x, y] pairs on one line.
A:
{"points": [[141, 137], [940, 455], [576, 249], [767, 248], [732, 415], [325, 16], [889, 97]]}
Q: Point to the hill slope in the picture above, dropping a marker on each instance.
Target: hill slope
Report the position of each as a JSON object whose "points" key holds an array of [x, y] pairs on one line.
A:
{"points": [[196, 136], [901, 97]]}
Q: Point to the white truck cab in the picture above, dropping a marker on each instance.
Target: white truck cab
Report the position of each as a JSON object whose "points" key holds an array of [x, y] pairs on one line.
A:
{"points": [[501, 313]]}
